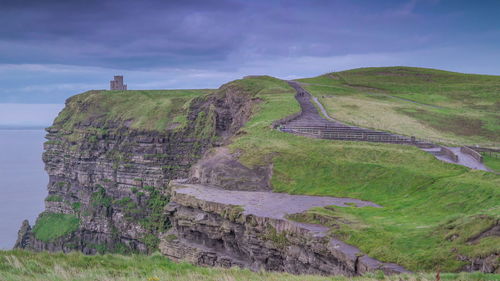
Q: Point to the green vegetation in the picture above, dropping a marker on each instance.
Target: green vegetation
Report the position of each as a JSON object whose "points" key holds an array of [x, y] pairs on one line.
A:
{"points": [[76, 206], [423, 199], [145, 110], [279, 239], [233, 213], [52, 142], [492, 161], [149, 214], [130, 209], [21, 266], [155, 221], [100, 198], [447, 107], [50, 226], [61, 184], [54, 198], [205, 124]]}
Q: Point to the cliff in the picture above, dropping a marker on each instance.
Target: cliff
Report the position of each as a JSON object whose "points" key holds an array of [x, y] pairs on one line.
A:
{"points": [[110, 156]]}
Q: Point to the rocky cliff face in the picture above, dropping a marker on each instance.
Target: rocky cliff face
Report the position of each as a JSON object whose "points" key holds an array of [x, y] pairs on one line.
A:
{"points": [[110, 178]]}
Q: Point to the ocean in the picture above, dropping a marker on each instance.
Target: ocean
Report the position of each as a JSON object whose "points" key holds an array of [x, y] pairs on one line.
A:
{"points": [[23, 181]]}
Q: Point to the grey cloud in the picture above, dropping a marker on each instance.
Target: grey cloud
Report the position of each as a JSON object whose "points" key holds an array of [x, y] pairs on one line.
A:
{"points": [[138, 34], [203, 43]]}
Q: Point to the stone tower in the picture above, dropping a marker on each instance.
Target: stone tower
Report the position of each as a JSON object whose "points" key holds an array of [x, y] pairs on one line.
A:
{"points": [[117, 83]]}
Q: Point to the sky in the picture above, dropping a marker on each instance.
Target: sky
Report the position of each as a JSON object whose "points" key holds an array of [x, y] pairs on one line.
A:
{"points": [[52, 49]]}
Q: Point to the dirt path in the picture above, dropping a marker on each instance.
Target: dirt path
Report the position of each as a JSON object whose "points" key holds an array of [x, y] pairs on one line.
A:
{"points": [[269, 204]]}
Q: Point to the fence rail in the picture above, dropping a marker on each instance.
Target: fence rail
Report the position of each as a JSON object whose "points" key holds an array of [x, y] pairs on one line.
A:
{"points": [[360, 134], [354, 135], [491, 154]]}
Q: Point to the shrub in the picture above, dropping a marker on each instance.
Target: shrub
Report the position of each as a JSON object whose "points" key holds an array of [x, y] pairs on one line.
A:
{"points": [[76, 206], [99, 198], [54, 198], [50, 226]]}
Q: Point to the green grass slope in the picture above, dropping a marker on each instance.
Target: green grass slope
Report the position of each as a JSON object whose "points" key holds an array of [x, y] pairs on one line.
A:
{"points": [[23, 266], [431, 209], [492, 160], [137, 109], [443, 106]]}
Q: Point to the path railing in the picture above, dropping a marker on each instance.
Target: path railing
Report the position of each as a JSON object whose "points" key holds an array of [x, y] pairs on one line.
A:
{"points": [[342, 133]]}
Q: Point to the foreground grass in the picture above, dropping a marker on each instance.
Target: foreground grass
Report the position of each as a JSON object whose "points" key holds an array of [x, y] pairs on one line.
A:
{"points": [[443, 106], [21, 265], [430, 208]]}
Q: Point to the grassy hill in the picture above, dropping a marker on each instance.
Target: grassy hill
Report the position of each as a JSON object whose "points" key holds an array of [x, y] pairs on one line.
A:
{"points": [[23, 266], [431, 209], [443, 106]]}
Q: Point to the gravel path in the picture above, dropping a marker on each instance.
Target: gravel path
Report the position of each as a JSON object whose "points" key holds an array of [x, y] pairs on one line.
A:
{"points": [[270, 204], [467, 160]]}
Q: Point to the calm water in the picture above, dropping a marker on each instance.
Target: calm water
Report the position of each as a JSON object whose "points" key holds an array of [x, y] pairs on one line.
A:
{"points": [[22, 181]]}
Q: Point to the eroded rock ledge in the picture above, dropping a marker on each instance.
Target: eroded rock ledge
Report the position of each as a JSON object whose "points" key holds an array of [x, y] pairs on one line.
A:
{"points": [[216, 227]]}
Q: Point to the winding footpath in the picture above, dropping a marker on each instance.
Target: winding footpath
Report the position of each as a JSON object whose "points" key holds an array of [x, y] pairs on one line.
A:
{"points": [[313, 124]]}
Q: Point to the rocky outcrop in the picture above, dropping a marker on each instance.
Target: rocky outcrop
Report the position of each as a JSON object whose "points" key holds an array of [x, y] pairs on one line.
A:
{"points": [[23, 235], [207, 231], [112, 177], [221, 168], [488, 264]]}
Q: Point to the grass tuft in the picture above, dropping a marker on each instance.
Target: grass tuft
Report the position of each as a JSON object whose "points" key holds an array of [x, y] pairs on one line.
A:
{"points": [[22, 265]]}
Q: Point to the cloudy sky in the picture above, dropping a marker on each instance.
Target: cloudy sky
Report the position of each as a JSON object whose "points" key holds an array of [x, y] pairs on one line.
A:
{"points": [[52, 49]]}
